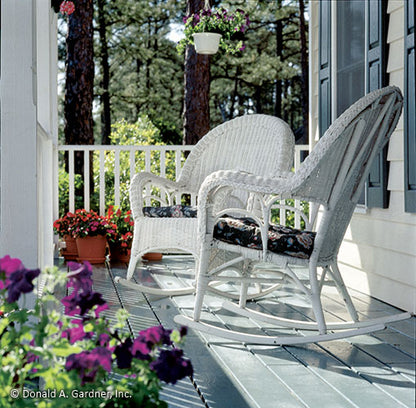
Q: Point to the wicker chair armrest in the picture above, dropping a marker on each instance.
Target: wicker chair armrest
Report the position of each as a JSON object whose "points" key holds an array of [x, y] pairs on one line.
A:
{"points": [[212, 190], [138, 189], [281, 185]]}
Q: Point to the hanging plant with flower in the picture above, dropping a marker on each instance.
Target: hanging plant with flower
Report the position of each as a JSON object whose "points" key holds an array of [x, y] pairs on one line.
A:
{"points": [[65, 7], [53, 359], [231, 26]]}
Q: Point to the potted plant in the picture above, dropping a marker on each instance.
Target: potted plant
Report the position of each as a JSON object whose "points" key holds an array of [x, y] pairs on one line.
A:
{"points": [[64, 353], [91, 231], [63, 227], [210, 30], [120, 242]]}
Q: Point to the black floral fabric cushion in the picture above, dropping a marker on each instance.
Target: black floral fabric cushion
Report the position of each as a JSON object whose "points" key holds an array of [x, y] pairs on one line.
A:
{"points": [[174, 211], [281, 240]]}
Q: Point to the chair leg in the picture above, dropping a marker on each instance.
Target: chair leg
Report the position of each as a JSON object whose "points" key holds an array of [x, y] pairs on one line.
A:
{"points": [[244, 285], [315, 297], [201, 287], [202, 280], [132, 266], [342, 290]]}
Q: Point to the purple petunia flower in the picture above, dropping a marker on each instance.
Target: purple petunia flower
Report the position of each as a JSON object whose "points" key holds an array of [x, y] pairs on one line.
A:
{"points": [[81, 303], [8, 265], [140, 349], [80, 275], [123, 354], [20, 281], [76, 333], [170, 366], [87, 363], [99, 309], [156, 335]]}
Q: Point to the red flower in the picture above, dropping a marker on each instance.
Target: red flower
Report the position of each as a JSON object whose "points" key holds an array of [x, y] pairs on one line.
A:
{"points": [[67, 7]]}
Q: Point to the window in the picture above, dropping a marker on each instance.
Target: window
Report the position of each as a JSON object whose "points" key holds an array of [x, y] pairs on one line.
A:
{"points": [[352, 62]]}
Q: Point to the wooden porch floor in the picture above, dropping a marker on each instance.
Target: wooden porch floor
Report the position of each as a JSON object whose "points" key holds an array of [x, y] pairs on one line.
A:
{"points": [[376, 370]]}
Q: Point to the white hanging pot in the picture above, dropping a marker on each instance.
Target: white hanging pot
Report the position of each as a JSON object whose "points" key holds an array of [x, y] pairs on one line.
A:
{"points": [[206, 43]]}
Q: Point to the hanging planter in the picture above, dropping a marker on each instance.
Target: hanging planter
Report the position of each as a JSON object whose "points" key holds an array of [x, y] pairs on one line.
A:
{"points": [[226, 27], [206, 43], [92, 249]]}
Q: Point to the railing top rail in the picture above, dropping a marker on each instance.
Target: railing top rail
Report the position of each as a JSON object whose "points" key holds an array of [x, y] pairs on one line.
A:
{"points": [[125, 147]]}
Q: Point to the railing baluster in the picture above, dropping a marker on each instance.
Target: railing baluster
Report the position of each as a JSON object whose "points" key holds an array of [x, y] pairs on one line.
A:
{"points": [[177, 151], [71, 180], [282, 213], [162, 163], [147, 161], [132, 163], [147, 168], [102, 182], [178, 168], [117, 177], [87, 180]]}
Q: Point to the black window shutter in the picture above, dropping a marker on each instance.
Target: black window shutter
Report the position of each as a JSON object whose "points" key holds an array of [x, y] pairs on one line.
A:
{"points": [[409, 109], [324, 66], [377, 194]]}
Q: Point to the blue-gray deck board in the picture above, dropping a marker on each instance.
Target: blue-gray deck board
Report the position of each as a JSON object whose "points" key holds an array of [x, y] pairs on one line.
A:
{"points": [[376, 370]]}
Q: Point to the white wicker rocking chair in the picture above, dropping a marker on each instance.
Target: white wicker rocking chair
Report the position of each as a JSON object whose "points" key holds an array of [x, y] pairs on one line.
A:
{"points": [[332, 177], [259, 144]]}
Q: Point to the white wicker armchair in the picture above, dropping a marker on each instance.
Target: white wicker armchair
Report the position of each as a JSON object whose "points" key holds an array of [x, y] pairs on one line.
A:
{"points": [[332, 177], [259, 144]]}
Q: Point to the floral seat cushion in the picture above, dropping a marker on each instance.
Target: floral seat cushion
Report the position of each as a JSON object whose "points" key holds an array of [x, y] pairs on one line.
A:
{"points": [[246, 232], [174, 211], [281, 240]]}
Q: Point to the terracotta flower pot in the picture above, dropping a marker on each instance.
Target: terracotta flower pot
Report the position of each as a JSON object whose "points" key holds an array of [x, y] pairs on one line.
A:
{"points": [[119, 254], [92, 249], [70, 252], [153, 256]]}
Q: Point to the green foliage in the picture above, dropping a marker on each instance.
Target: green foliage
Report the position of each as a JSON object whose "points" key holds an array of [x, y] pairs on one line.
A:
{"points": [[276, 217], [266, 77], [141, 133], [146, 74]]}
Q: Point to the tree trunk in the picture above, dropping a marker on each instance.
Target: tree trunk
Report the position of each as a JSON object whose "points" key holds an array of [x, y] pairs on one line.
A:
{"points": [[304, 66], [197, 84], [79, 85], [105, 71]]}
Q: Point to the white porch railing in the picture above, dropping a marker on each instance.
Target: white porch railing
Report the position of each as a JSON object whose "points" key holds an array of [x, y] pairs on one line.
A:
{"points": [[162, 160]]}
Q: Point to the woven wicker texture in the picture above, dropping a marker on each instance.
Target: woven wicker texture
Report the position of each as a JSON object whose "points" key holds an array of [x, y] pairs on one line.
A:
{"points": [[260, 144], [331, 177]]}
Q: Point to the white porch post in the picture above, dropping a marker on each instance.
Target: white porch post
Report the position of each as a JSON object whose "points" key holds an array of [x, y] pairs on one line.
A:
{"points": [[26, 144]]}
